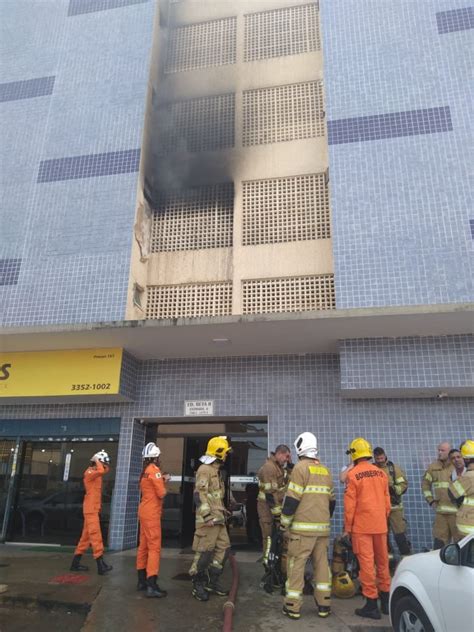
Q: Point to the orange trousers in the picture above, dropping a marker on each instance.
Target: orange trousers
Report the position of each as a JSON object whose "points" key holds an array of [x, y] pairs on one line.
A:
{"points": [[372, 552], [91, 536], [149, 549]]}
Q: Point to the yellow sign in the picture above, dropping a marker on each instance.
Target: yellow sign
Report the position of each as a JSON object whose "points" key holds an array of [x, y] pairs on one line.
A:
{"points": [[59, 373]]}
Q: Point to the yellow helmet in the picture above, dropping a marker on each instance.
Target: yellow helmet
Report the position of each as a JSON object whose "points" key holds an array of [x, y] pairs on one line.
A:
{"points": [[467, 449], [359, 448], [218, 447], [343, 586]]}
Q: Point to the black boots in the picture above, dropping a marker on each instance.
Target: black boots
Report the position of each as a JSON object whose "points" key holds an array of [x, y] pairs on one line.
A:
{"points": [[384, 602], [403, 543], [102, 567], [141, 584], [199, 591], [370, 610], [76, 565], [324, 611], [291, 614], [212, 584], [152, 588]]}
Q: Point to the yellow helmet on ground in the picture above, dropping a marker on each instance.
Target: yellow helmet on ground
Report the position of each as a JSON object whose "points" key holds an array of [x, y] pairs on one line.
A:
{"points": [[359, 448], [218, 447], [343, 586], [467, 449]]}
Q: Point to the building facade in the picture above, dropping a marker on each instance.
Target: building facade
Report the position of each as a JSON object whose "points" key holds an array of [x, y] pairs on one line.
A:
{"points": [[266, 205]]}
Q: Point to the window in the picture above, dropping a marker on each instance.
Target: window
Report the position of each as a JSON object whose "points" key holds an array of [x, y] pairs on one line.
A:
{"points": [[288, 294], [280, 32], [138, 295], [283, 113], [277, 210], [194, 125], [202, 45], [191, 300], [193, 219]]}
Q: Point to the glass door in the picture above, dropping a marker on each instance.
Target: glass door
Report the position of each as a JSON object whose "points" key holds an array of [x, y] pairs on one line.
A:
{"points": [[181, 446], [248, 455], [48, 507], [77, 456], [7, 451]]}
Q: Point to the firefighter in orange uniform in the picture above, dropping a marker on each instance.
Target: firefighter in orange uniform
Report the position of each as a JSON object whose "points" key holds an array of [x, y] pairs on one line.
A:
{"points": [[366, 510], [91, 533], [153, 490]]}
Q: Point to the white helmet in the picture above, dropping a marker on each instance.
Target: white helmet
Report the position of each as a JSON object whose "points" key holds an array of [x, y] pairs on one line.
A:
{"points": [[101, 456], [306, 445], [151, 451]]}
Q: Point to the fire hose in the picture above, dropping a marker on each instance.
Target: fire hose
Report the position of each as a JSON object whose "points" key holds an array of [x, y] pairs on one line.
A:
{"points": [[229, 605]]}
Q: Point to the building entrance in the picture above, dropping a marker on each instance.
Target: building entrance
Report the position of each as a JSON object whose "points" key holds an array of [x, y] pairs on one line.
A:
{"points": [[181, 446], [42, 491]]}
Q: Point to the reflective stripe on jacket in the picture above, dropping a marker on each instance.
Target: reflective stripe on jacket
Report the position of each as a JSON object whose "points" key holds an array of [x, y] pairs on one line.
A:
{"points": [[272, 484], [93, 486], [306, 505], [463, 488], [366, 499], [209, 494], [399, 484], [435, 484]]}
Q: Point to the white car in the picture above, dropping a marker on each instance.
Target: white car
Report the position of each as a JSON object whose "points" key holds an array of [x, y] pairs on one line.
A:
{"points": [[434, 591]]}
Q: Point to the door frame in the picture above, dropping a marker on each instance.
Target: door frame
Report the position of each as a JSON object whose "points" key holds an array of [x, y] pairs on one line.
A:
{"points": [[12, 485], [195, 434]]}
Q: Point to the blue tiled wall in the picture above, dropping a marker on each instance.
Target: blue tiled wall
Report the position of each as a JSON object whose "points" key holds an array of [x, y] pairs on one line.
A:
{"points": [[407, 364], [28, 89], [400, 200], [9, 271], [78, 7], [295, 394], [76, 84], [455, 20]]}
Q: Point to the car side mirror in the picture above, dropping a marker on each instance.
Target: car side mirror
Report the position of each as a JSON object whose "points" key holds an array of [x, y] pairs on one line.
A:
{"points": [[451, 555]]}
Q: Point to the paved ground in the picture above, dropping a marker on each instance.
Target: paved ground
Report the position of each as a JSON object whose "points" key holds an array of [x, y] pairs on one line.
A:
{"points": [[29, 587]]}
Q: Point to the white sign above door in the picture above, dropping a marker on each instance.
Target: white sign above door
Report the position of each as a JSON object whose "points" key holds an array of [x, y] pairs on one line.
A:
{"points": [[199, 407]]}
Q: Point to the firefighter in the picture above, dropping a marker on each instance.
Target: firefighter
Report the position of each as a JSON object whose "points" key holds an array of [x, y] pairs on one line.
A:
{"points": [[308, 505], [211, 544], [153, 491], [272, 484], [435, 485], [456, 459], [91, 533], [462, 492], [366, 511], [397, 486]]}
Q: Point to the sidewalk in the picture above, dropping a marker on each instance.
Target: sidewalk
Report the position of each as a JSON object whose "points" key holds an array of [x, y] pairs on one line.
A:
{"points": [[111, 603]]}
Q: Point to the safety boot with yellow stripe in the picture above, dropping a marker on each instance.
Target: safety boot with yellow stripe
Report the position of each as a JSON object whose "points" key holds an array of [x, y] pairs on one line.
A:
{"points": [[291, 614], [324, 611]]}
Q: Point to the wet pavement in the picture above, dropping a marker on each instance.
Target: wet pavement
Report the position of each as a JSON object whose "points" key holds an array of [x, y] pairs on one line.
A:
{"points": [[39, 620], [37, 582]]}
